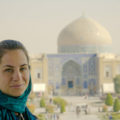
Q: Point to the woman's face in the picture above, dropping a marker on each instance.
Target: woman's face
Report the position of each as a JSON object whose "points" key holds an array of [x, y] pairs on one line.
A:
{"points": [[14, 73]]}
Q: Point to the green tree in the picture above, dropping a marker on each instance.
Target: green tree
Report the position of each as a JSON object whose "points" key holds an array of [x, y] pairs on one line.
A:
{"points": [[62, 108], [116, 106], [58, 101], [42, 102], [109, 100], [61, 103], [117, 83]]}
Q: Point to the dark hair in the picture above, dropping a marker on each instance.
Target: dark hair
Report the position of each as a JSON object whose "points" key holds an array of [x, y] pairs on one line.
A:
{"points": [[6, 45]]}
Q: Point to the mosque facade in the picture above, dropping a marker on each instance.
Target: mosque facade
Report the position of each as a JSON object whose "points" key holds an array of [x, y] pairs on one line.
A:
{"points": [[72, 74], [84, 63]]}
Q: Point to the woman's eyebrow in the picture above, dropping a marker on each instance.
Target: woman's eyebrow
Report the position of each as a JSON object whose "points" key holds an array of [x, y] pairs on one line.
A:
{"points": [[13, 66], [8, 66], [24, 65]]}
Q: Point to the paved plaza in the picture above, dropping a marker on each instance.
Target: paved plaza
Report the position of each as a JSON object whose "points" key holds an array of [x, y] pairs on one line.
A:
{"points": [[70, 113], [72, 116], [74, 101]]}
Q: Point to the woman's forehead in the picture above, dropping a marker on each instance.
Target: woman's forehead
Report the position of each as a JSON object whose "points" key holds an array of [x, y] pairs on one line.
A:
{"points": [[14, 57]]}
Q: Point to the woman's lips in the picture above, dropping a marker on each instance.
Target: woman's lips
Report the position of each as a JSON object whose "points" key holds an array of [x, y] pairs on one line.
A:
{"points": [[17, 86]]}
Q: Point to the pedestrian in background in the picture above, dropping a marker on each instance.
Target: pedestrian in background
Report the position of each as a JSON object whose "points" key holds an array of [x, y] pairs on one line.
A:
{"points": [[78, 110]]}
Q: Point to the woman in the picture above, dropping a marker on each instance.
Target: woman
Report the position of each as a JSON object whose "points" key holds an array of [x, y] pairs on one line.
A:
{"points": [[15, 82]]}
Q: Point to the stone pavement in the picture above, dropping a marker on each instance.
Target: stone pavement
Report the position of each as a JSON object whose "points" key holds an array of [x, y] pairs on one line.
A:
{"points": [[73, 101], [72, 116]]}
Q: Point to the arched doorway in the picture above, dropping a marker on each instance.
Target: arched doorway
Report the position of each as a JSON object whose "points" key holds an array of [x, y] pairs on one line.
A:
{"points": [[71, 75]]}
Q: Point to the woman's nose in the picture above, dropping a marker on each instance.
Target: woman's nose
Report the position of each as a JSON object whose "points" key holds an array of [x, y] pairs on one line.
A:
{"points": [[17, 75]]}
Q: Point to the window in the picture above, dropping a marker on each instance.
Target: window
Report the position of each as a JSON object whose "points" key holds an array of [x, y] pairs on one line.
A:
{"points": [[108, 71], [85, 84], [70, 84], [107, 74], [38, 75]]}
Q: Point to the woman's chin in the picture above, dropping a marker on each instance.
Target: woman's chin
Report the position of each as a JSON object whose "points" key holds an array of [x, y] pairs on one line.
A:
{"points": [[16, 94]]}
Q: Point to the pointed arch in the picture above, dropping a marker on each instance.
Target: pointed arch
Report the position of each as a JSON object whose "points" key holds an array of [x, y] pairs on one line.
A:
{"points": [[71, 73]]}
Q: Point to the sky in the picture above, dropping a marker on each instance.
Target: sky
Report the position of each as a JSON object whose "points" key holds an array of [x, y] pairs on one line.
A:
{"points": [[38, 23]]}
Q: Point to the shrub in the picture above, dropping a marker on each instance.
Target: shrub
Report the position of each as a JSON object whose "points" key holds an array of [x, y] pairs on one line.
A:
{"points": [[116, 106], [42, 102], [117, 83], [116, 116], [61, 103], [62, 109], [58, 101], [50, 108], [109, 100], [41, 117]]}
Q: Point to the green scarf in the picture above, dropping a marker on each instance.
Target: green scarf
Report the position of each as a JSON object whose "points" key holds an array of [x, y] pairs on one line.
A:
{"points": [[14, 104]]}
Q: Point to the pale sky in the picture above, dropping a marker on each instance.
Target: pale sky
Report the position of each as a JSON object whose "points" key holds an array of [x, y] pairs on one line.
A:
{"points": [[37, 23]]}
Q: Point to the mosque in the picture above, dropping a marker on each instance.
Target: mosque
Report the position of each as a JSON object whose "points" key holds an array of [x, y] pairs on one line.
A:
{"points": [[84, 63]]}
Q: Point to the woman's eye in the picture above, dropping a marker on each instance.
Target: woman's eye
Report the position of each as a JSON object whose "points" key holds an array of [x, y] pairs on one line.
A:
{"points": [[22, 69], [8, 70]]}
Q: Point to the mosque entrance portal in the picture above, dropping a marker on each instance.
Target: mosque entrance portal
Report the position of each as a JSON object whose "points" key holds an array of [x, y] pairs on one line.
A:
{"points": [[70, 74]]}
